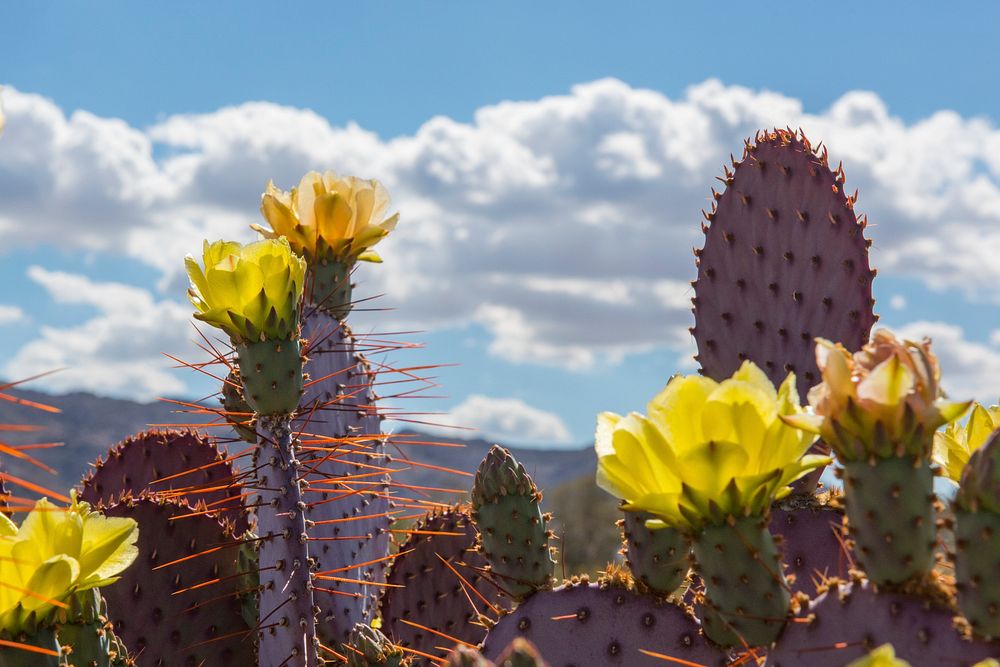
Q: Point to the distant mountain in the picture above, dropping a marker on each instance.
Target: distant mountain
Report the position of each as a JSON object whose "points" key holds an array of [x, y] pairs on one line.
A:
{"points": [[88, 425]]}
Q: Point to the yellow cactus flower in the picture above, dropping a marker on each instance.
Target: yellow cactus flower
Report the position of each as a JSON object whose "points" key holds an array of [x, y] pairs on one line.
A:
{"points": [[706, 450], [954, 445], [55, 553], [883, 656], [329, 218], [883, 401], [251, 292]]}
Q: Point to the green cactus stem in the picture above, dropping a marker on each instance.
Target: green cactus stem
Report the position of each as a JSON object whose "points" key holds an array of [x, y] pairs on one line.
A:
{"points": [[513, 532], [746, 595], [39, 649], [368, 647], [890, 516], [271, 371], [238, 412], [658, 559]]}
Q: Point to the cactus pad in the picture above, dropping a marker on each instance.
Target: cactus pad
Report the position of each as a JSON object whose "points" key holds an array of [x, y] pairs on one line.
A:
{"points": [[851, 619], [237, 411], [463, 656], [433, 595], [603, 624], [513, 532], [977, 541], [785, 260], [521, 653], [812, 542], [746, 596], [191, 466], [367, 647], [200, 625], [271, 371], [658, 559], [348, 494], [890, 515]]}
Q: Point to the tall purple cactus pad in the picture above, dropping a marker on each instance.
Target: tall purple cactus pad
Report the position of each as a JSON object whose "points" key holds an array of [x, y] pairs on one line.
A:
{"points": [[785, 260], [347, 496]]}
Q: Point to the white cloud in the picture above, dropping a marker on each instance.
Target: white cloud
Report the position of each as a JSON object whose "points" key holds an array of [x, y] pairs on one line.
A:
{"points": [[969, 369], [11, 315], [897, 302], [507, 420], [563, 225], [118, 352]]}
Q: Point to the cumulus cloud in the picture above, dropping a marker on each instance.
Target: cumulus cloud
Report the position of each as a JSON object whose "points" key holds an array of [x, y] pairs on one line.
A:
{"points": [[11, 315], [117, 352], [508, 420], [563, 225]]}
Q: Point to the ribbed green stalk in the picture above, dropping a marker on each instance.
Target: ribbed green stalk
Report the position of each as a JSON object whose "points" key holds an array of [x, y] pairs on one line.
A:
{"points": [[747, 597], [890, 515]]}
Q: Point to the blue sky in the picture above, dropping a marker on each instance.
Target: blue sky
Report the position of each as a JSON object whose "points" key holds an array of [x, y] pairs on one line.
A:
{"points": [[656, 94]]}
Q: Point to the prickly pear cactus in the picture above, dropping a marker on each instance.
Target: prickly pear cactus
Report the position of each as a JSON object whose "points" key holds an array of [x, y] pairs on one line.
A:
{"points": [[39, 648], [604, 624], [513, 532], [850, 619], [237, 411], [521, 653], [785, 260], [178, 602], [890, 509], [977, 539], [463, 656], [746, 596], [347, 498], [182, 464], [658, 559], [436, 582], [86, 636], [368, 647]]}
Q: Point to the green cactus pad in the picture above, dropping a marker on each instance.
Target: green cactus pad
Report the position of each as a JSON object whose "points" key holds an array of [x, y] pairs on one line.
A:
{"points": [[329, 288], [238, 412], [977, 542], [658, 559], [368, 647], [85, 634], [43, 638], [513, 532], [521, 653], [746, 596], [890, 516], [272, 375], [464, 656]]}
